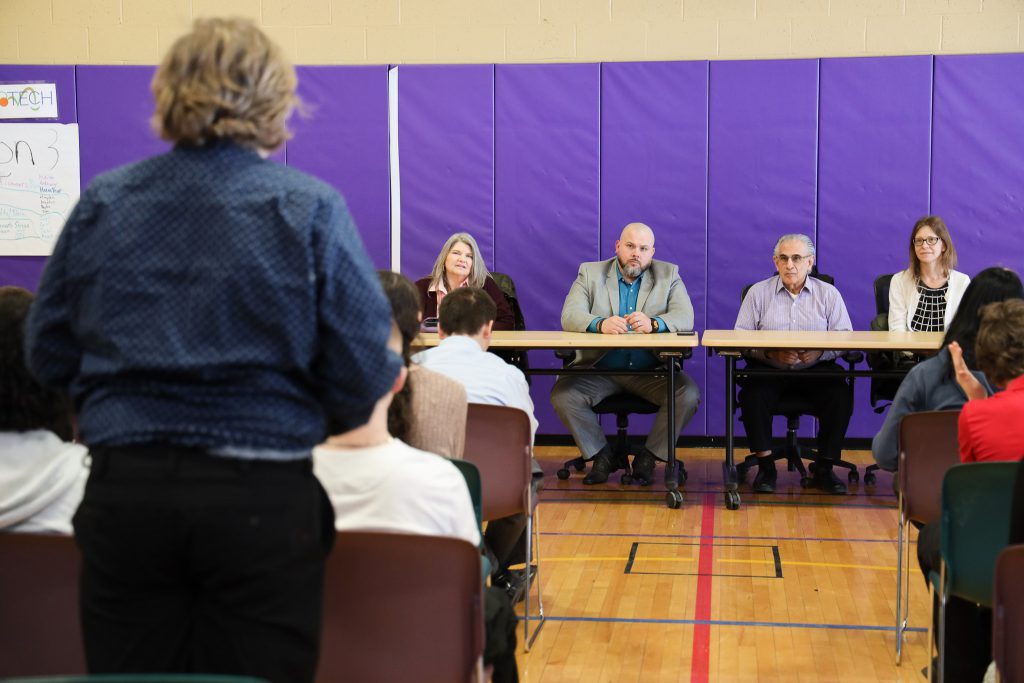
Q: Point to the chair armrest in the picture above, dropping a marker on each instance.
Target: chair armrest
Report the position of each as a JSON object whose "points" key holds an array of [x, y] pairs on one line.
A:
{"points": [[853, 357], [566, 355]]}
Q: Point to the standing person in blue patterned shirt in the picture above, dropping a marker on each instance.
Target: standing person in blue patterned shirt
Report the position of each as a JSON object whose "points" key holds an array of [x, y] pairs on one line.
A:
{"points": [[214, 316]]}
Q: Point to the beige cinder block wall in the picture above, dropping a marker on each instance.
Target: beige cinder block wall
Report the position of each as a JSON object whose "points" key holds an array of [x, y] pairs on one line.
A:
{"points": [[474, 31]]}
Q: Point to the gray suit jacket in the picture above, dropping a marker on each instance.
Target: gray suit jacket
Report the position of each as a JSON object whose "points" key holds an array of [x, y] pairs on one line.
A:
{"points": [[596, 293]]}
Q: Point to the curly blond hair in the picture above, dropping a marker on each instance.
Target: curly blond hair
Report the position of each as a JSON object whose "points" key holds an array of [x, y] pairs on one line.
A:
{"points": [[225, 80]]}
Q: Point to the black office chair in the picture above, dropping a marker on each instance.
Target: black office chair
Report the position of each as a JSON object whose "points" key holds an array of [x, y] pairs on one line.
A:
{"points": [[622, 405], [516, 357], [792, 407]]}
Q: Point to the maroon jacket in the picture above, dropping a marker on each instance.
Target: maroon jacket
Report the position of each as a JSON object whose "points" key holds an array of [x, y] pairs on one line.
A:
{"points": [[505, 320]]}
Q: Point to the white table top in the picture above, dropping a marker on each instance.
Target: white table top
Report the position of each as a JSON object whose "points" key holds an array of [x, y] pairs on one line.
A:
{"points": [[553, 339], [839, 341]]}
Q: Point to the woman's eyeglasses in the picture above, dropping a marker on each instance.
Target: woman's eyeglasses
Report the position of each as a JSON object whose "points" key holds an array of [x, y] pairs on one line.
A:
{"points": [[930, 241]]}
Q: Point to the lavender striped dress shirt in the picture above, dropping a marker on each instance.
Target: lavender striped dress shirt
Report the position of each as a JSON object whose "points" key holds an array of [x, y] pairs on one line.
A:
{"points": [[769, 306]]}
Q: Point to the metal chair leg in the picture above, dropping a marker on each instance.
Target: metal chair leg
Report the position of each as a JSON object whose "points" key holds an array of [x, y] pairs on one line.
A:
{"points": [[532, 538], [900, 623], [941, 642], [931, 621]]}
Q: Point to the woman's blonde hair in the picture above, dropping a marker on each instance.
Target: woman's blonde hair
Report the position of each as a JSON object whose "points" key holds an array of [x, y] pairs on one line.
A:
{"points": [[477, 272], [225, 80]]}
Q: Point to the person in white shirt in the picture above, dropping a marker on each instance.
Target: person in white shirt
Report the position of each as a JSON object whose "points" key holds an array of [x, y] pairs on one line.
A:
{"points": [[925, 296], [378, 483], [465, 322], [42, 474], [465, 334]]}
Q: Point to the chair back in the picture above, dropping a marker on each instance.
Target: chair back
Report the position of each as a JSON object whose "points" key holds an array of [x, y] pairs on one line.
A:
{"points": [[1008, 614], [498, 442], [40, 632], [976, 503], [401, 607], [471, 473], [508, 288], [881, 287], [928, 448]]}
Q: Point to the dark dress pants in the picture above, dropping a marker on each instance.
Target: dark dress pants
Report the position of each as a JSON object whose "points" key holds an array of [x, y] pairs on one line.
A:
{"points": [[968, 646], [830, 397], [196, 563]]}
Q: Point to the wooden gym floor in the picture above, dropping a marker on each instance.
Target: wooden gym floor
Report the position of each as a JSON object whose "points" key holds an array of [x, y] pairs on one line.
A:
{"points": [[793, 586]]}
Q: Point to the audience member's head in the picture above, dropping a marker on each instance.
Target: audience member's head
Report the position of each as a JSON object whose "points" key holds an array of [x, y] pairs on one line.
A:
{"points": [[999, 347], [926, 229], [224, 80], [25, 404], [989, 286], [405, 306], [467, 311]]}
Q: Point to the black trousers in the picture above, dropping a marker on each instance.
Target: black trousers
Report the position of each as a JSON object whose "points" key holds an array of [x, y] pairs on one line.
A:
{"points": [[830, 397], [968, 647], [196, 563]]}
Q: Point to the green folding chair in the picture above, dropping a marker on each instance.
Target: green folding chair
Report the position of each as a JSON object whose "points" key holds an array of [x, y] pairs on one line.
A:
{"points": [[471, 473], [976, 503]]}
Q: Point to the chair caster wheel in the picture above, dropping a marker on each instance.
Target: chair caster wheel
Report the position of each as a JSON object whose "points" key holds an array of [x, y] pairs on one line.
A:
{"points": [[562, 474], [673, 499], [626, 479], [732, 500], [806, 482], [853, 477], [869, 479], [580, 464]]}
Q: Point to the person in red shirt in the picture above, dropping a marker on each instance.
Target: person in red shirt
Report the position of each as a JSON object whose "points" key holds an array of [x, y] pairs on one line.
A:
{"points": [[991, 428]]}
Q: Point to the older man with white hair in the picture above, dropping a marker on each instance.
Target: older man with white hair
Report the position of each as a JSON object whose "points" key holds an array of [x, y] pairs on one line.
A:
{"points": [[628, 293], [794, 300]]}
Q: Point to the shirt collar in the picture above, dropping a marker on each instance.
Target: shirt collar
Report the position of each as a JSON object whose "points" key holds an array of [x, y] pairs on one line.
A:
{"points": [[780, 286], [622, 280], [459, 341]]}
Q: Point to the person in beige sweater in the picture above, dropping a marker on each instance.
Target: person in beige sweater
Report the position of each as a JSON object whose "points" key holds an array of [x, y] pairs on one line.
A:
{"points": [[435, 420]]}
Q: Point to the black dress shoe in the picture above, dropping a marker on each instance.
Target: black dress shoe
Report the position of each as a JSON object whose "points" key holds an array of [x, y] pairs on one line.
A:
{"points": [[826, 480], [515, 583], [643, 467], [600, 469], [766, 477]]}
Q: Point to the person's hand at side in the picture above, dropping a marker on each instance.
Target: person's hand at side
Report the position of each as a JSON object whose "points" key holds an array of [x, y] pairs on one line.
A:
{"points": [[964, 377]]}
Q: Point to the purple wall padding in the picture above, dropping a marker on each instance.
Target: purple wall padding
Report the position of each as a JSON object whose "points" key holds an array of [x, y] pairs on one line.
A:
{"points": [[762, 183], [446, 156], [547, 192], [344, 142], [874, 139], [114, 110], [654, 171], [978, 158], [25, 271]]}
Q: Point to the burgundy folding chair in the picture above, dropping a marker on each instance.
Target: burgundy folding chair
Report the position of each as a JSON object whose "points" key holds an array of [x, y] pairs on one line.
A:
{"points": [[498, 442], [401, 607], [40, 630], [928, 447]]}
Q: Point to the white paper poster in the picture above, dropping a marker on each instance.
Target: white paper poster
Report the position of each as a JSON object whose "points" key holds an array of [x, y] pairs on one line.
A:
{"points": [[39, 185]]}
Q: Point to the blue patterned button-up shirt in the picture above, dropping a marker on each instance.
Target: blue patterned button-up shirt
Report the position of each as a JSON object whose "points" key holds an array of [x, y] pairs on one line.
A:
{"points": [[215, 299]]}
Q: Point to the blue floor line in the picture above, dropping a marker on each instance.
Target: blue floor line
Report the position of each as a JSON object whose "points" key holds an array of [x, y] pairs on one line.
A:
{"points": [[717, 622]]}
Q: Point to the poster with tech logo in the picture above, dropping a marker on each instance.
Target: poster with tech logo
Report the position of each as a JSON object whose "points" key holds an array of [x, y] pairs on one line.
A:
{"points": [[39, 169]]}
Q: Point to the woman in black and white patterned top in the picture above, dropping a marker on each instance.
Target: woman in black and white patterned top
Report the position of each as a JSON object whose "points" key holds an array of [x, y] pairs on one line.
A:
{"points": [[924, 297]]}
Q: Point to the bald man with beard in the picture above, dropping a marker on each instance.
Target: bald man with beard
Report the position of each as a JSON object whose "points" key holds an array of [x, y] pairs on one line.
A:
{"points": [[631, 293]]}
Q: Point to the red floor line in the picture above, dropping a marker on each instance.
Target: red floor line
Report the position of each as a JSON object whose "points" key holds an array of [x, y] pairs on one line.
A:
{"points": [[700, 661]]}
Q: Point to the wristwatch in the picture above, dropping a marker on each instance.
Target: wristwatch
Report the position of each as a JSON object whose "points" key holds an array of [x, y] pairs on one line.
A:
{"points": [[654, 325]]}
